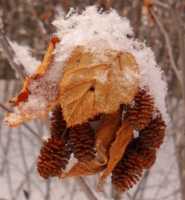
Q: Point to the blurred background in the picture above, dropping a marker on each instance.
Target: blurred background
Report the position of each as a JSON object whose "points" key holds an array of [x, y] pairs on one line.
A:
{"points": [[28, 22]]}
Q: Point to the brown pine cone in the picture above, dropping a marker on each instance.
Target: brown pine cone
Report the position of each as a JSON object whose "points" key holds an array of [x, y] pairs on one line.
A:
{"points": [[127, 171], [139, 114], [153, 135], [53, 157], [82, 139], [58, 125], [149, 156]]}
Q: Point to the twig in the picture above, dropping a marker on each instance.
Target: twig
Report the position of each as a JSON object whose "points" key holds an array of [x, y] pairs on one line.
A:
{"points": [[22, 183], [10, 56], [24, 124], [40, 26], [24, 162], [6, 150], [86, 189], [181, 45], [161, 4], [168, 43], [145, 176], [9, 182]]}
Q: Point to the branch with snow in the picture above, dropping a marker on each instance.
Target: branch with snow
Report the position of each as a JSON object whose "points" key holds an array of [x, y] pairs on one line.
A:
{"points": [[10, 54]]}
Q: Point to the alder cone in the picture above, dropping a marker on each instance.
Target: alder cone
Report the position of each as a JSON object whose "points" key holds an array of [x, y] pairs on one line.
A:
{"points": [[149, 156], [153, 135], [54, 156], [82, 139], [127, 171], [58, 125], [140, 113]]}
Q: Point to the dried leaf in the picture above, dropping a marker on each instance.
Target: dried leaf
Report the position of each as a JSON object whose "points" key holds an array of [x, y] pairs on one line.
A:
{"points": [[84, 169], [123, 137], [89, 89], [23, 96], [106, 135]]}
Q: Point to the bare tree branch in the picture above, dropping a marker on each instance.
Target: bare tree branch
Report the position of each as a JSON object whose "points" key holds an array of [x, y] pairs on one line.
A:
{"points": [[168, 43], [10, 56], [86, 189], [161, 4]]}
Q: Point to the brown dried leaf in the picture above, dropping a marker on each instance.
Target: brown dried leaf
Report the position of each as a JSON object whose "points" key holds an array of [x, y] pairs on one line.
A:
{"points": [[106, 135], [89, 89], [84, 169], [23, 95], [123, 137]]}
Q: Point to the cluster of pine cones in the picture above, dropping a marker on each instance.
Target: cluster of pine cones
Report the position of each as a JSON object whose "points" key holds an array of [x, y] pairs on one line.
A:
{"points": [[80, 140]]}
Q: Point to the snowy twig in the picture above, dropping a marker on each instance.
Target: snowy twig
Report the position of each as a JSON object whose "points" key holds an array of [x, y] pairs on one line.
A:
{"points": [[24, 124], [10, 55], [86, 189], [168, 43]]}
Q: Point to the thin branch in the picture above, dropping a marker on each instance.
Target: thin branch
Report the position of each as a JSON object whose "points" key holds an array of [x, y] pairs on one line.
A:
{"points": [[168, 43], [24, 161], [86, 189], [10, 56], [161, 4], [24, 124], [39, 23]]}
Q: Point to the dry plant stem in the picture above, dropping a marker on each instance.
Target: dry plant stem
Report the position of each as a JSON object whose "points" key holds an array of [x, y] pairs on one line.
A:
{"points": [[167, 38], [24, 124], [86, 189], [10, 56]]}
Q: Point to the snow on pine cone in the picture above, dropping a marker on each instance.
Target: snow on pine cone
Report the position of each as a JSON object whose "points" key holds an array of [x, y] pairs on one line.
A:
{"points": [[139, 113], [153, 135], [82, 139], [58, 125], [128, 170], [54, 156]]}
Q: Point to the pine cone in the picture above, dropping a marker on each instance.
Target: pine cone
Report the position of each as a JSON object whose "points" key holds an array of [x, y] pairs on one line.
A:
{"points": [[58, 125], [127, 171], [82, 138], [153, 135], [53, 157], [139, 114], [149, 156]]}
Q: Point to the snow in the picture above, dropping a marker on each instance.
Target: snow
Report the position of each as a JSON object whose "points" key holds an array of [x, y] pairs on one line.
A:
{"points": [[72, 162], [98, 32], [23, 56]]}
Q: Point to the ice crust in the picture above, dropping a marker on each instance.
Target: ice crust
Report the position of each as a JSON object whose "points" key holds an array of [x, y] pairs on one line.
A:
{"points": [[98, 32]]}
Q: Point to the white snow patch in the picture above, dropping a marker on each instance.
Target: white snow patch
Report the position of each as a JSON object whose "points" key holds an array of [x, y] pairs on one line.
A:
{"points": [[72, 162], [136, 133], [23, 56], [101, 76]]}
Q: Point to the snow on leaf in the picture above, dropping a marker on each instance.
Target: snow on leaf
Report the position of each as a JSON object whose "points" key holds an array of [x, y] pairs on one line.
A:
{"points": [[100, 88]]}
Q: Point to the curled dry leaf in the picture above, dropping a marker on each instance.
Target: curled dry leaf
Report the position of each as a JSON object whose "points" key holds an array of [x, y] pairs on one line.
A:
{"points": [[106, 135], [123, 137], [88, 89]]}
